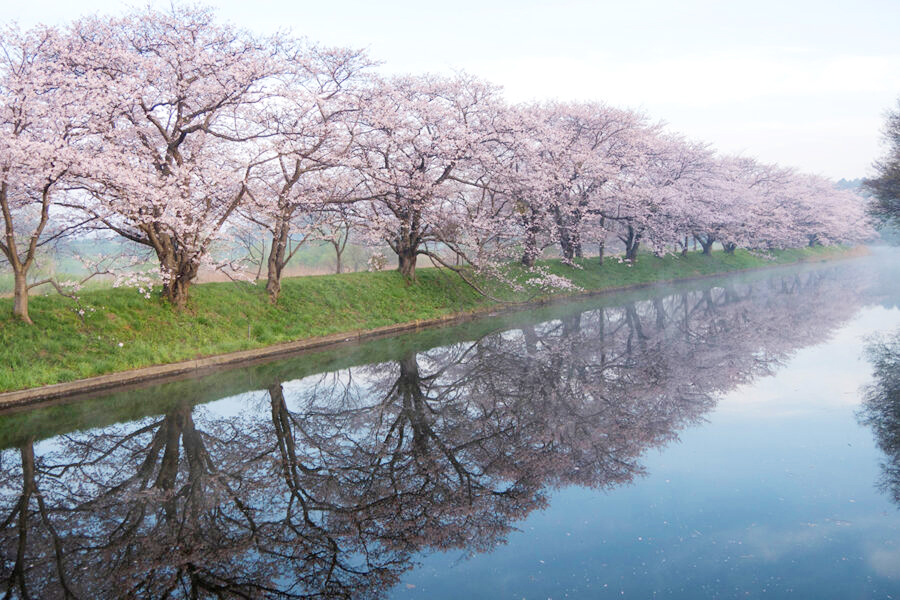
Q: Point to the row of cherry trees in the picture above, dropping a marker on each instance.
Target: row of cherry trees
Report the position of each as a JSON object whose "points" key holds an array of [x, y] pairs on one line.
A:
{"points": [[175, 131]]}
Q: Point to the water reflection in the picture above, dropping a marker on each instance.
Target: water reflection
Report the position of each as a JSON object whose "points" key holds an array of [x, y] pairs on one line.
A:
{"points": [[329, 485], [881, 409]]}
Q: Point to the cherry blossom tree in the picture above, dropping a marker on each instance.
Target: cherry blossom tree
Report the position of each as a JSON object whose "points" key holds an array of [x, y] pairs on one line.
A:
{"points": [[723, 207], [502, 210], [825, 215], [303, 163], [783, 208], [651, 199], [41, 125], [415, 135], [558, 168], [177, 153], [592, 145]]}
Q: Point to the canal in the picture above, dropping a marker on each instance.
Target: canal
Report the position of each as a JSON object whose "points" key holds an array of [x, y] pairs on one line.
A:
{"points": [[723, 438]]}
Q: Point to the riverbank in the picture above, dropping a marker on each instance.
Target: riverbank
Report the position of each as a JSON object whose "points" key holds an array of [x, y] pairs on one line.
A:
{"points": [[118, 330]]}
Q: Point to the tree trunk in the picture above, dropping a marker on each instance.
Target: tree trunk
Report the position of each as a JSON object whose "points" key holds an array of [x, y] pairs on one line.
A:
{"points": [[409, 388], [531, 339], [275, 264], [16, 577], [528, 258], [601, 247], [181, 271], [706, 243], [339, 268], [632, 242], [730, 247], [20, 298], [407, 263], [273, 286], [571, 324], [179, 266], [531, 251], [567, 242], [631, 251], [176, 291], [406, 245]]}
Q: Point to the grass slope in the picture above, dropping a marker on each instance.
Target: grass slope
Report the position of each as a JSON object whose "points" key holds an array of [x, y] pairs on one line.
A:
{"points": [[121, 330]]}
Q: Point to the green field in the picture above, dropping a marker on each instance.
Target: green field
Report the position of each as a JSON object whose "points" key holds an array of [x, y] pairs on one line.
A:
{"points": [[121, 330]]}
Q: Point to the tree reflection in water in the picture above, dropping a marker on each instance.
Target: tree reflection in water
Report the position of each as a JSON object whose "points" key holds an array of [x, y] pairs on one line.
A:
{"points": [[332, 488], [881, 409]]}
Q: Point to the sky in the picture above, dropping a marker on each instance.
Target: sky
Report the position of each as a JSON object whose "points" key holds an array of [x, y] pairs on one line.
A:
{"points": [[801, 83]]}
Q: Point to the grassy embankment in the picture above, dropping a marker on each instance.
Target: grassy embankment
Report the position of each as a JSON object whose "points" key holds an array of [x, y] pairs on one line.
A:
{"points": [[121, 330]]}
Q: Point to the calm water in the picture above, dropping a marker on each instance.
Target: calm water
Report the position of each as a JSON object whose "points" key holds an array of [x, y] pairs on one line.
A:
{"points": [[709, 440]]}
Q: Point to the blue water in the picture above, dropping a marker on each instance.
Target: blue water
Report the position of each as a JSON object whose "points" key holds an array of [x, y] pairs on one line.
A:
{"points": [[711, 440], [773, 497]]}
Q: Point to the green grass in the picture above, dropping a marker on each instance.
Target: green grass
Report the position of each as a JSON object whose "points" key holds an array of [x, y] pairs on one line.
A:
{"points": [[649, 268], [226, 317]]}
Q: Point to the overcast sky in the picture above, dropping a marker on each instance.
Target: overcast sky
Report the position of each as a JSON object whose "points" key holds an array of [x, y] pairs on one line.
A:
{"points": [[797, 82]]}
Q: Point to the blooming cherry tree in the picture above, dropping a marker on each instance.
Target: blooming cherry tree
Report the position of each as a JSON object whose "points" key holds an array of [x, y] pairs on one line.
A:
{"points": [[177, 153], [415, 135], [650, 200], [172, 129], [302, 166], [41, 126]]}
